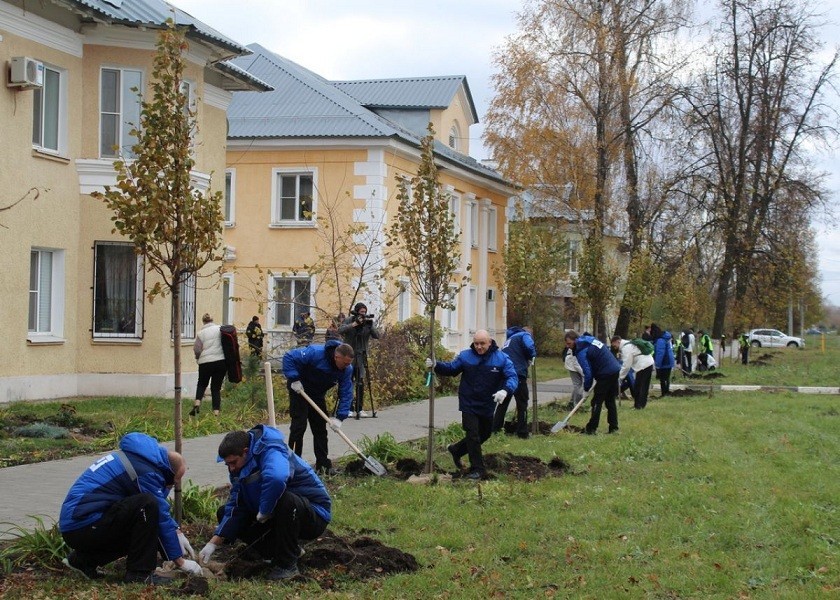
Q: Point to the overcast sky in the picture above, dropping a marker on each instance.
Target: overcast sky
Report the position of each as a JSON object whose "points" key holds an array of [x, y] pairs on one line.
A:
{"points": [[375, 39]]}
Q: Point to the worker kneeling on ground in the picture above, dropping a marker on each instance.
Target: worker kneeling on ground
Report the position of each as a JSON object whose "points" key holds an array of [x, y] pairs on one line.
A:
{"points": [[276, 500], [118, 507]]}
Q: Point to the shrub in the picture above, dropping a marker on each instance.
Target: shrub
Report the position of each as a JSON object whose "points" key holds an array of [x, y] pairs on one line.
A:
{"points": [[42, 547]]}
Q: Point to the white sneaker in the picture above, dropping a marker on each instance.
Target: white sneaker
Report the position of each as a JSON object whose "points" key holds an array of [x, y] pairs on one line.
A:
{"points": [[363, 413]]}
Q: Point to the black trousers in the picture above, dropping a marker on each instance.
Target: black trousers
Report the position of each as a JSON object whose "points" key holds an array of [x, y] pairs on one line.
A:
{"points": [[664, 377], [477, 430], [522, 396], [278, 539], [212, 373], [686, 361], [745, 355], [605, 392], [129, 528], [641, 387], [301, 413]]}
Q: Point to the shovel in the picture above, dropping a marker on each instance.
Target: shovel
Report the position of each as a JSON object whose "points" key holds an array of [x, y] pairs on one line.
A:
{"points": [[372, 465], [561, 424]]}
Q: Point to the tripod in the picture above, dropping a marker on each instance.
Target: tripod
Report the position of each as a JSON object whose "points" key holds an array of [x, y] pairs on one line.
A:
{"points": [[361, 373]]}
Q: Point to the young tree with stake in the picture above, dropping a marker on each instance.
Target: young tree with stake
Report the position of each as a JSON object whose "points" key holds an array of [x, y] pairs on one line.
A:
{"points": [[424, 236], [174, 227]]}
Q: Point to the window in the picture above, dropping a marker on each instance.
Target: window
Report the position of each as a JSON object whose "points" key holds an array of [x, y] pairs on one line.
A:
{"points": [[119, 111], [473, 210], [574, 249], [46, 293], [227, 298], [291, 297], [49, 112], [491, 229], [454, 137], [117, 291], [294, 197], [404, 300], [491, 309], [450, 315], [188, 89], [187, 299], [472, 306], [455, 209], [230, 197]]}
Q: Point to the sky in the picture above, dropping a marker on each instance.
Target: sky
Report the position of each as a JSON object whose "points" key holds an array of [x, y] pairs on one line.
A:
{"points": [[378, 39]]}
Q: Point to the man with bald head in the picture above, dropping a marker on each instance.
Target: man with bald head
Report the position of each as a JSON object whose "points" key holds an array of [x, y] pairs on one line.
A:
{"points": [[487, 377]]}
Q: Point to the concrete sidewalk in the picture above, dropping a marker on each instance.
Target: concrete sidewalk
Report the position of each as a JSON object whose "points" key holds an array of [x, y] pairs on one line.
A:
{"points": [[39, 489]]}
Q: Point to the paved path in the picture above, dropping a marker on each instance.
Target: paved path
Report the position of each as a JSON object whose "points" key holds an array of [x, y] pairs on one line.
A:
{"points": [[39, 489]]}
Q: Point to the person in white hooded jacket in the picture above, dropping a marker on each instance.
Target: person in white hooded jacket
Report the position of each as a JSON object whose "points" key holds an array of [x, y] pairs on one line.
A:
{"points": [[211, 364], [641, 364]]}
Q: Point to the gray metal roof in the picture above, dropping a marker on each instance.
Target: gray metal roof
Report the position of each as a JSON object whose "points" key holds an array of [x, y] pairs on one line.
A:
{"points": [[305, 105], [152, 13], [416, 92]]}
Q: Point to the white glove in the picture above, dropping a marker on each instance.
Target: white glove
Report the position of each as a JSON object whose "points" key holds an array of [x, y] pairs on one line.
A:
{"points": [[207, 552], [185, 545], [499, 396], [261, 518], [191, 567], [533, 361], [429, 363], [335, 424], [297, 387]]}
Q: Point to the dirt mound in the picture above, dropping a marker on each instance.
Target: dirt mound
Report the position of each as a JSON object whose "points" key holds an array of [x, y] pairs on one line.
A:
{"points": [[331, 557], [525, 468], [686, 393]]}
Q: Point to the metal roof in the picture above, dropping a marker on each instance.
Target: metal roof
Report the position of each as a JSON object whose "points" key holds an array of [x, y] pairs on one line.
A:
{"points": [[416, 92], [305, 105], [152, 13]]}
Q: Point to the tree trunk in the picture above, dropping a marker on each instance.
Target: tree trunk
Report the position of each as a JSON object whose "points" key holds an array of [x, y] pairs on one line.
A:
{"points": [[430, 439], [176, 353]]}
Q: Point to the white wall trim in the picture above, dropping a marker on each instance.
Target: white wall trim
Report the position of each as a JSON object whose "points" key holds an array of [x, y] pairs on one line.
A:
{"points": [[96, 173], [38, 29], [138, 39], [216, 97]]}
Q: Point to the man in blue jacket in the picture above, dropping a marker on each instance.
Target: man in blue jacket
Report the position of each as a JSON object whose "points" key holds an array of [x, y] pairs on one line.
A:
{"points": [[276, 500], [599, 364], [118, 507], [521, 349], [487, 377], [316, 369]]}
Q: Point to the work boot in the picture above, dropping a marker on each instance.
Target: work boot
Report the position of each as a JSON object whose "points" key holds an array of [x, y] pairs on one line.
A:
{"points": [[474, 475], [282, 573], [455, 458], [613, 430]]}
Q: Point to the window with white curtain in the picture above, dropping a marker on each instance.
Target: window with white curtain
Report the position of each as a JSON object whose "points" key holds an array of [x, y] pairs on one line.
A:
{"points": [[472, 306], [473, 215], [117, 291], [492, 238]]}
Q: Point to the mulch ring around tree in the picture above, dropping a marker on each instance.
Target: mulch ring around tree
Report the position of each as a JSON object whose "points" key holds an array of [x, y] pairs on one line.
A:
{"points": [[326, 560], [523, 468]]}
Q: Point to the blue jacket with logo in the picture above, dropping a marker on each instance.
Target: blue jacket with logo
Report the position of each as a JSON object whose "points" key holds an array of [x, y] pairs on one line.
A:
{"points": [[106, 482], [520, 347], [269, 471], [314, 366], [596, 360], [482, 375]]}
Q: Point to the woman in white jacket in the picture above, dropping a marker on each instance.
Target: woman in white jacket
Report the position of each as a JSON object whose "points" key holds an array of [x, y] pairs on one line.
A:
{"points": [[211, 364]]}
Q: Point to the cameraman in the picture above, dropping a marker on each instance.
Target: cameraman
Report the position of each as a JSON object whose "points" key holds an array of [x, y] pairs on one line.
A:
{"points": [[357, 330]]}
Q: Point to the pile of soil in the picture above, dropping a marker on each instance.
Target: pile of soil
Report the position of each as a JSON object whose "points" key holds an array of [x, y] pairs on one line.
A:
{"points": [[330, 558], [685, 393]]}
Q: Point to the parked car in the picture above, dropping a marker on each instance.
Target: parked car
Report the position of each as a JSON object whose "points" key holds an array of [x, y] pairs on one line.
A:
{"points": [[773, 338], [814, 331]]}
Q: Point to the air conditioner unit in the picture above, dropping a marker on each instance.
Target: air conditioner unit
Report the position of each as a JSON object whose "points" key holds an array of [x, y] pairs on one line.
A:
{"points": [[491, 295], [26, 72]]}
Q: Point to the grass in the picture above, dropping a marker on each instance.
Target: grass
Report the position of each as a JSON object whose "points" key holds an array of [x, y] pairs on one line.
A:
{"points": [[729, 496]]}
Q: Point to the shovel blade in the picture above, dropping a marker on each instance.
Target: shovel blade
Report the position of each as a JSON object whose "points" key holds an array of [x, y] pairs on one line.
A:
{"points": [[375, 467], [559, 425]]}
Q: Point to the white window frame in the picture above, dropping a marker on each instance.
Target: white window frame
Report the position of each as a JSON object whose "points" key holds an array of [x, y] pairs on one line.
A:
{"points": [[472, 306], [473, 216], [450, 315], [454, 137], [455, 209], [230, 198], [492, 224], [404, 300], [227, 299], [138, 297], [124, 124], [297, 306], [60, 113], [276, 207], [574, 251], [54, 331]]}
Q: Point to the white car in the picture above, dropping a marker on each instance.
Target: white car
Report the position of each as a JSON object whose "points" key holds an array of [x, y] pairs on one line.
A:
{"points": [[773, 338]]}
